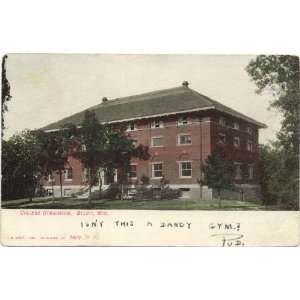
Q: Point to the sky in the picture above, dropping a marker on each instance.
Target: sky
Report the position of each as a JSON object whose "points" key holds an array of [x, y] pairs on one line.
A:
{"points": [[48, 87]]}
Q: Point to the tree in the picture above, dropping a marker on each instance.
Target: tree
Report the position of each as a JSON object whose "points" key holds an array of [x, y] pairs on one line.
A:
{"points": [[280, 75], [20, 165], [55, 150], [31, 155], [278, 188], [5, 91], [218, 172], [101, 146]]}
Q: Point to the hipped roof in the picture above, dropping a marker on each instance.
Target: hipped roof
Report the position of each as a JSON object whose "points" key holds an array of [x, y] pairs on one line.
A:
{"points": [[158, 103]]}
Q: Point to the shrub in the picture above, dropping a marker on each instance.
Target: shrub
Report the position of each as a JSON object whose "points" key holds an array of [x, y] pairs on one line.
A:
{"points": [[112, 192], [164, 182], [168, 193], [145, 193], [145, 180]]}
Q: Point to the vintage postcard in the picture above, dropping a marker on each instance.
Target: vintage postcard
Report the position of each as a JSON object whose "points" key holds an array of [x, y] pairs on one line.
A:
{"points": [[150, 150]]}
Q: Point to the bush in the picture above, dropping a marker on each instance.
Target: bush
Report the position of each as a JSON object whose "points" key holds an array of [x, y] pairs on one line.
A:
{"points": [[145, 193], [145, 180], [168, 193], [113, 192]]}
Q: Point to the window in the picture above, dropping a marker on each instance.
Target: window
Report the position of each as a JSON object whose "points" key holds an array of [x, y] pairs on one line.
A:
{"points": [[236, 142], [236, 126], [67, 192], [156, 141], [157, 124], [68, 174], [251, 172], [250, 146], [131, 127], [222, 121], [157, 170], [222, 138], [184, 139], [185, 169], [238, 171], [249, 130], [49, 192], [50, 178], [182, 121], [132, 171]]}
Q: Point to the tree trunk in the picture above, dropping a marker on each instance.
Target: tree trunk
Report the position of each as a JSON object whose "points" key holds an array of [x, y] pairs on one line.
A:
{"points": [[60, 183], [90, 187], [201, 191], [32, 190], [100, 183], [52, 185], [122, 191], [219, 198]]}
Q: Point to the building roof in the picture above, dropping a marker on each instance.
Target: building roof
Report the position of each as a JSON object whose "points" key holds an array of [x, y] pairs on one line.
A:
{"points": [[154, 104]]}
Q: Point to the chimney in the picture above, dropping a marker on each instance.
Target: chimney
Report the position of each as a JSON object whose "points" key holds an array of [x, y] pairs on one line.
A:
{"points": [[104, 99], [185, 84]]}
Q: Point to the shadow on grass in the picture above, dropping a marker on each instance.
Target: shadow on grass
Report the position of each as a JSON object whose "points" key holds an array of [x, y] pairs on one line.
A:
{"points": [[174, 204]]}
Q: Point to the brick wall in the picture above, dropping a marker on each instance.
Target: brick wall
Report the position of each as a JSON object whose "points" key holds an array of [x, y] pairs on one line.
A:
{"points": [[170, 154], [237, 154], [204, 128]]}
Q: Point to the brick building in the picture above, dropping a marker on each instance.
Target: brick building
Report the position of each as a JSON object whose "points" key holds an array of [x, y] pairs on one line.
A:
{"points": [[181, 127]]}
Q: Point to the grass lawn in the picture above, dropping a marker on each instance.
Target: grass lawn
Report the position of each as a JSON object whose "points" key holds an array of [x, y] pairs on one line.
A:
{"points": [[176, 204]]}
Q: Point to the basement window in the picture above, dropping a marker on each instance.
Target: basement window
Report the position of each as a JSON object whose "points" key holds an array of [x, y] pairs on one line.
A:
{"points": [[50, 178], [67, 192], [49, 192]]}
